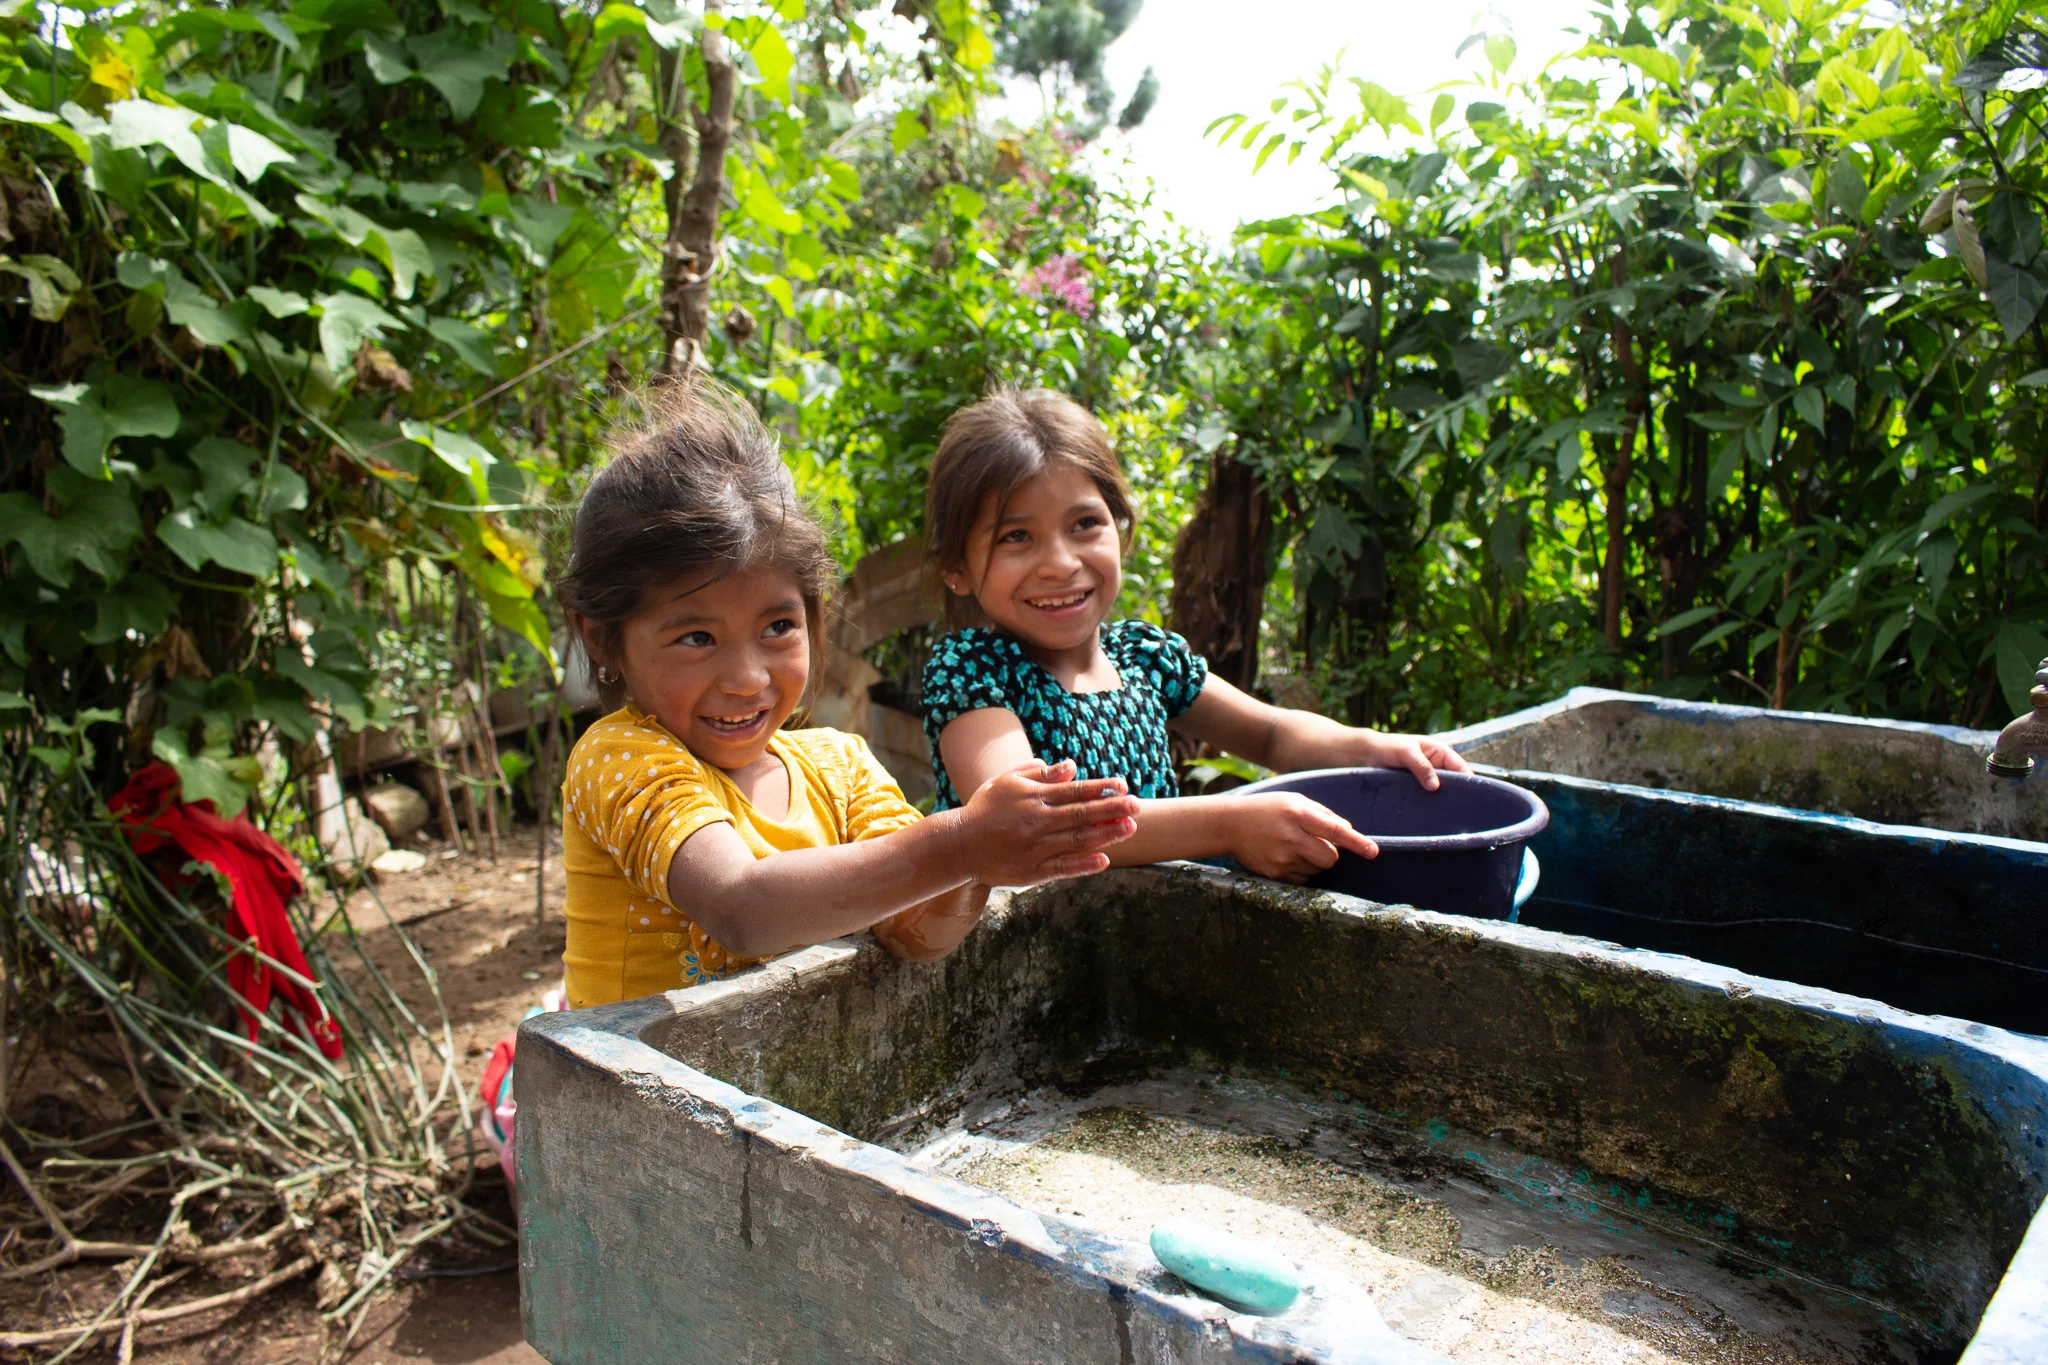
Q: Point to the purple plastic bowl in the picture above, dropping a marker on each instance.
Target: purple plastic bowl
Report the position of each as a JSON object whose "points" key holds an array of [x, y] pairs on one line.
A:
{"points": [[1457, 849]]}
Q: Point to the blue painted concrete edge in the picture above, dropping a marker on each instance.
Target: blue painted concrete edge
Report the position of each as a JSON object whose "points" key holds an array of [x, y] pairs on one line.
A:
{"points": [[1699, 713]]}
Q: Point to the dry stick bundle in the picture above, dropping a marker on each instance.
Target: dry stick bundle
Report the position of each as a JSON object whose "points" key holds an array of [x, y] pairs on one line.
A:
{"points": [[346, 1160]]}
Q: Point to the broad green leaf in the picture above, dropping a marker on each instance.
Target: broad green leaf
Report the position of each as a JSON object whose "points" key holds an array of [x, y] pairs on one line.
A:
{"points": [[93, 418], [471, 344], [458, 65], [388, 61], [1846, 190], [539, 224], [778, 289], [1500, 51], [1811, 405], [140, 605], [1716, 635], [763, 207], [14, 111], [96, 524], [2020, 649], [279, 303], [1727, 461], [141, 123], [907, 128], [974, 52], [1658, 66], [234, 544], [223, 467], [278, 490], [408, 258], [1384, 107], [1949, 504], [252, 154], [2016, 292], [201, 777], [617, 21], [1937, 560], [51, 284], [1887, 634], [1440, 110], [772, 57], [346, 322], [1883, 123], [1686, 619], [460, 453], [1728, 253]]}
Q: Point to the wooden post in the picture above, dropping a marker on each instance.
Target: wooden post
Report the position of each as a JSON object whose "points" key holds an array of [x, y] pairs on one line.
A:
{"points": [[437, 765], [487, 739], [544, 802]]}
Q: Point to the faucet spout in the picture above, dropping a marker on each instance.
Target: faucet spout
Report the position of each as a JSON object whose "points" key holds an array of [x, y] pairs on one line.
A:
{"points": [[2019, 742]]}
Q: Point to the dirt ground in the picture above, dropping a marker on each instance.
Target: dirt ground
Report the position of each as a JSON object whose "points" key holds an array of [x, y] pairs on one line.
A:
{"points": [[474, 922]]}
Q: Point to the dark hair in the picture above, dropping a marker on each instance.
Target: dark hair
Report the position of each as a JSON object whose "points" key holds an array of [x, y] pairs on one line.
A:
{"points": [[700, 490], [995, 447]]}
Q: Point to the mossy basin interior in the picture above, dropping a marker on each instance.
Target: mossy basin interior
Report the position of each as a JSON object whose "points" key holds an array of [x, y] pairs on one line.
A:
{"points": [[1515, 1144]]}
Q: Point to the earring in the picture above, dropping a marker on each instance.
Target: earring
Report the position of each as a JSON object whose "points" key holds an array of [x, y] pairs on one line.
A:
{"points": [[603, 674]]}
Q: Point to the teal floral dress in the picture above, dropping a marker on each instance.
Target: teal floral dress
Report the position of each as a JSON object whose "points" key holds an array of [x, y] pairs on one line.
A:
{"points": [[1121, 733]]}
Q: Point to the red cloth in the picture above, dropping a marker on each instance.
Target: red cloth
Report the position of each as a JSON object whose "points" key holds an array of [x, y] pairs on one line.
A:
{"points": [[262, 878]]}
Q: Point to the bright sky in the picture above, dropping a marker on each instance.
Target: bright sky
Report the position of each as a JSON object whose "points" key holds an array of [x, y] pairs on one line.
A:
{"points": [[1219, 57]]}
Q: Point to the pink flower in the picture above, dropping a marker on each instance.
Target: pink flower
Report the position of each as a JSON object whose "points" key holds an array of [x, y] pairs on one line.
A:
{"points": [[1062, 280]]}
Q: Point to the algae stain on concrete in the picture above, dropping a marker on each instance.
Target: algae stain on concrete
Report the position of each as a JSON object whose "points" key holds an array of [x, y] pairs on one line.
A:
{"points": [[1121, 1170]]}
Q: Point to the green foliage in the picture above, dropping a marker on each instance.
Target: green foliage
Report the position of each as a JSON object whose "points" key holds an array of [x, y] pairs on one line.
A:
{"points": [[254, 244], [1716, 370], [1000, 264]]}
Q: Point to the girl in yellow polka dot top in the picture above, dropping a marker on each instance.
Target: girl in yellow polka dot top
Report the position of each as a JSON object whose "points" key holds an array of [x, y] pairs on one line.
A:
{"points": [[701, 835]]}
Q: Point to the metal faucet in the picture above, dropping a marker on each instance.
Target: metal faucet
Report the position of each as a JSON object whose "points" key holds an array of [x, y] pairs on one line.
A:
{"points": [[2013, 755]]}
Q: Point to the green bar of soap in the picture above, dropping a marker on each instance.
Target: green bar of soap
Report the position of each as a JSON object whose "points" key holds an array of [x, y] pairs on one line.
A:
{"points": [[1226, 1266]]}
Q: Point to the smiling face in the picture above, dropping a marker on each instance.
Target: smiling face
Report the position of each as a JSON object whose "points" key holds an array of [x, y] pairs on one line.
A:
{"points": [[1046, 566], [722, 665]]}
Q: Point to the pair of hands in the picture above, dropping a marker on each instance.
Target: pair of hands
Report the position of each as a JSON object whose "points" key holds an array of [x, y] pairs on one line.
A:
{"points": [[1036, 824], [1290, 838]]}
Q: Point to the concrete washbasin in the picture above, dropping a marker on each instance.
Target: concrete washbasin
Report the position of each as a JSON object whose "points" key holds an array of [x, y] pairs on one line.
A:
{"points": [[1872, 857], [1478, 1131], [1890, 772]]}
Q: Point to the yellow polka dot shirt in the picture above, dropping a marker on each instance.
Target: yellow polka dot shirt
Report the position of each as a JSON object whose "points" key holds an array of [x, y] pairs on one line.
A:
{"points": [[632, 794]]}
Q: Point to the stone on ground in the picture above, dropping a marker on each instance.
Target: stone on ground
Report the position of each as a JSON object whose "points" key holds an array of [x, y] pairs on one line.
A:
{"points": [[398, 808]]}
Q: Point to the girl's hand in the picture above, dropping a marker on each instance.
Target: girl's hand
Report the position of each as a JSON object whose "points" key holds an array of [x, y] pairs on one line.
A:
{"points": [[1286, 836], [1419, 754], [1036, 824]]}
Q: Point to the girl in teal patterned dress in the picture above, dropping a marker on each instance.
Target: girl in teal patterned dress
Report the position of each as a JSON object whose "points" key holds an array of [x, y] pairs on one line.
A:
{"points": [[1028, 517]]}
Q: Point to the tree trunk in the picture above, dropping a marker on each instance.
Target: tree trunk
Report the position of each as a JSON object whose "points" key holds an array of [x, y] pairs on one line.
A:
{"points": [[688, 259], [1219, 571]]}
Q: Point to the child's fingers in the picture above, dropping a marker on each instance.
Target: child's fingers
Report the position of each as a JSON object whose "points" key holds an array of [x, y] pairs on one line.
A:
{"points": [[1068, 792], [1417, 762], [1445, 757], [1038, 771], [1102, 835], [1335, 832], [1099, 811], [1072, 865]]}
